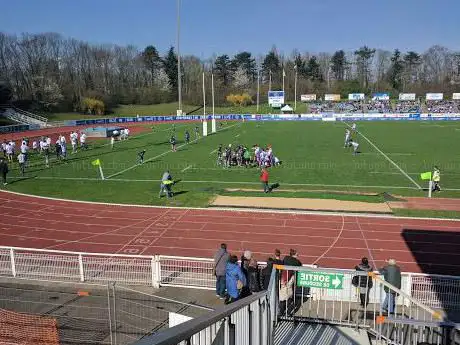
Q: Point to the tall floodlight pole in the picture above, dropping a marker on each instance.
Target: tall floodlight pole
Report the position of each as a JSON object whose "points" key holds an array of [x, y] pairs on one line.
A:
{"points": [[258, 88], [179, 75], [270, 80], [212, 86], [204, 98], [295, 88]]}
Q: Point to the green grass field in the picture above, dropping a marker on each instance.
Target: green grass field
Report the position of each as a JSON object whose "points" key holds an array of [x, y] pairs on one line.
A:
{"points": [[315, 164]]}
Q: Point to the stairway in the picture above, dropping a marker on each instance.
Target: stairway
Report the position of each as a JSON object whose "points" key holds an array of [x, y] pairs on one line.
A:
{"points": [[302, 333]]}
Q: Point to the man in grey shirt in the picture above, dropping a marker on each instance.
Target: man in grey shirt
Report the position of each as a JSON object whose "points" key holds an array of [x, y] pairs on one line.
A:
{"points": [[392, 275], [220, 267]]}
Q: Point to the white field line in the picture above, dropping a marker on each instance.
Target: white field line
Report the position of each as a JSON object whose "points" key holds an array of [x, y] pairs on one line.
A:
{"points": [[213, 151], [236, 209], [236, 136], [389, 154], [227, 182], [158, 156], [185, 169], [389, 159]]}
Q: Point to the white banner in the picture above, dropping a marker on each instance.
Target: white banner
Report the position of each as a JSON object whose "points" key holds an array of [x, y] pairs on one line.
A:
{"points": [[434, 96], [332, 97], [275, 98], [381, 97], [407, 96], [355, 96], [456, 96], [307, 98]]}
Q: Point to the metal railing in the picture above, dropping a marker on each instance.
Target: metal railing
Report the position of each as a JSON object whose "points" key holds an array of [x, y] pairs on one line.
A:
{"points": [[321, 296], [250, 320], [435, 291], [31, 115], [98, 314]]}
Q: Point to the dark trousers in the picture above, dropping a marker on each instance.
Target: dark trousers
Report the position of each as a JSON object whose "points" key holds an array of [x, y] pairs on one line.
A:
{"points": [[22, 167], [220, 286], [364, 297], [266, 187], [3, 178]]}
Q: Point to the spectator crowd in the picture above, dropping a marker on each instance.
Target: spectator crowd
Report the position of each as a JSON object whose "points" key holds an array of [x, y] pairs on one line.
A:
{"points": [[442, 106], [236, 280]]}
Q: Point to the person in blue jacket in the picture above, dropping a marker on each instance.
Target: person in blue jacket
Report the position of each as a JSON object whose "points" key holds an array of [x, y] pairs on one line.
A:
{"points": [[235, 280]]}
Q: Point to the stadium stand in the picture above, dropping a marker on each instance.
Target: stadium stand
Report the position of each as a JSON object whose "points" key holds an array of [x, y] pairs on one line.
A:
{"points": [[443, 106]]}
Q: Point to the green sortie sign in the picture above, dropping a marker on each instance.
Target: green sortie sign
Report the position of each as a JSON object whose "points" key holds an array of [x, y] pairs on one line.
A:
{"points": [[320, 280]]}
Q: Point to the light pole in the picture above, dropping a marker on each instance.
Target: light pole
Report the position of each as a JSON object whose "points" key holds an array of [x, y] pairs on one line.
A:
{"points": [[179, 76], [258, 88], [295, 88], [270, 80]]}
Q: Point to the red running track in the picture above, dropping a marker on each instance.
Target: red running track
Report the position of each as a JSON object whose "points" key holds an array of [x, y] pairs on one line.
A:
{"points": [[419, 245]]}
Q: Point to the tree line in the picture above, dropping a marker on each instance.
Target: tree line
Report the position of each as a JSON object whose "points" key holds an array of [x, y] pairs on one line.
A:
{"points": [[54, 73]]}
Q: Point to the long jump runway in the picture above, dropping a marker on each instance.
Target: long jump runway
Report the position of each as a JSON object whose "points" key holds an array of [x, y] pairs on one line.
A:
{"points": [[418, 245]]}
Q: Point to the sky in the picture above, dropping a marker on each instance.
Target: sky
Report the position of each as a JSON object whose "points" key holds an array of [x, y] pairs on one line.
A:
{"points": [[215, 27]]}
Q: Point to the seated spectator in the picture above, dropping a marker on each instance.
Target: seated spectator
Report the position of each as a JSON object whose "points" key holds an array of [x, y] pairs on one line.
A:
{"points": [[442, 106], [407, 107], [349, 107], [379, 106]]}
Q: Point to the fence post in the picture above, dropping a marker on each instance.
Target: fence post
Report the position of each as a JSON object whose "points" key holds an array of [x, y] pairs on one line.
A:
{"points": [[156, 271], [80, 265], [114, 313], [13, 262]]}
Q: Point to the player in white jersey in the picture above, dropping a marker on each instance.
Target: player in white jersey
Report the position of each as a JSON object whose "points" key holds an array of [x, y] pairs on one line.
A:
{"points": [[353, 127], [35, 146], [73, 141], [347, 138], [83, 141], [355, 147]]}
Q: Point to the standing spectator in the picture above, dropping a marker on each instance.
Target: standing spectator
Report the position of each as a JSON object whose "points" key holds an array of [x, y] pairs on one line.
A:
{"points": [[286, 291], [3, 170], [266, 273], [278, 260], [235, 280], [245, 258], [220, 263], [22, 163], [363, 283], [292, 258], [264, 179], [392, 275], [253, 276]]}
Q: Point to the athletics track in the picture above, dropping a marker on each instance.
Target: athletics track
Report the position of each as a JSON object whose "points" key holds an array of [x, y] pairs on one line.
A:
{"points": [[419, 245]]}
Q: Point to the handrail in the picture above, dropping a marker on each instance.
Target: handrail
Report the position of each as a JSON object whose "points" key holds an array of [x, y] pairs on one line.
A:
{"points": [[53, 251], [32, 115], [434, 313], [187, 329]]}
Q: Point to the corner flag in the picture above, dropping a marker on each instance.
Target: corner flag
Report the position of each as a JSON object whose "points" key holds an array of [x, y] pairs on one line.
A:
{"points": [[425, 175], [97, 163]]}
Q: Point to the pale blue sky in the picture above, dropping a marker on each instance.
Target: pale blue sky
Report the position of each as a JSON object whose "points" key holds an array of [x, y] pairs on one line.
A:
{"points": [[230, 26]]}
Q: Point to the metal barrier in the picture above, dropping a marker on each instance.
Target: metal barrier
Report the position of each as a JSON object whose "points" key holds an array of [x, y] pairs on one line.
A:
{"points": [[435, 291], [86, 314], [250, 320], [321, 296]]}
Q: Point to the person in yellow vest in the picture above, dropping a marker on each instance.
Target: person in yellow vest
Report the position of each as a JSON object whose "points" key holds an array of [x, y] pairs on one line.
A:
{"points": [[436, 179]]}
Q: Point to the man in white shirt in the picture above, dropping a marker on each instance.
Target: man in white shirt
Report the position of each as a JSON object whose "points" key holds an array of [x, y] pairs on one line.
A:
{"points": [[73, 141], [22, 163], [83, 141], [9, 152], [46, 152]]}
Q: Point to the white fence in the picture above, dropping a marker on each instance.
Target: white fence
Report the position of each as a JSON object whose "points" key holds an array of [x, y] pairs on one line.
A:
{"points": [[435, 291]]}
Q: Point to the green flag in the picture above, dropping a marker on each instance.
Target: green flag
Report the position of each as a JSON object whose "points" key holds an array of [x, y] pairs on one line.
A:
{"points": [[426, 175], [96, 162]]}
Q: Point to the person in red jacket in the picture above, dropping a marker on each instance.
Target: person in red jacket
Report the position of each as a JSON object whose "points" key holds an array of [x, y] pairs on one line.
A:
{"points": [[264, 179]]}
